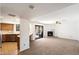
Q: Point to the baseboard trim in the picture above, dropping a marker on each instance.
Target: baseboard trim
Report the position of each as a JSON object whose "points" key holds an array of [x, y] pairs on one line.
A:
{"points": [[22, 51], [65, 38]]}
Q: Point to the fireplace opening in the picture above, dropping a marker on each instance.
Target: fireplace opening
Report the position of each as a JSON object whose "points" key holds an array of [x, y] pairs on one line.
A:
{"points": [[50, 33]]}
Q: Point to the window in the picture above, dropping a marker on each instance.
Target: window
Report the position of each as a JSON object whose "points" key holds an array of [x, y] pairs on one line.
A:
{"points": [[17, 27]]}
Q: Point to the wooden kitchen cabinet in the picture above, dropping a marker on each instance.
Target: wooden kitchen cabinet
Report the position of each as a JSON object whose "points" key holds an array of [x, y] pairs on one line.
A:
{"points": [[6, 27], [9, 37]]}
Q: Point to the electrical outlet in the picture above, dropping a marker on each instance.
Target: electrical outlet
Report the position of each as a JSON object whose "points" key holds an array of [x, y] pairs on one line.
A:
{"points": [[24, 44]]}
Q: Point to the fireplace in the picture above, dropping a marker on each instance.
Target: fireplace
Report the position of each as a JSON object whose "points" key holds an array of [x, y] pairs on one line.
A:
{"points": [[50, 33]]}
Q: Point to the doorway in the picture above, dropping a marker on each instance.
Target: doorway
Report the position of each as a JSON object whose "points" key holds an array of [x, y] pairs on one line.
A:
{"points": [[38, 31]]}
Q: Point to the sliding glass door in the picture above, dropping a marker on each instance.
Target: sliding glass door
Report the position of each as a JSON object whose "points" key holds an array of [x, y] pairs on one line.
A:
{"points": [[38, 31]]}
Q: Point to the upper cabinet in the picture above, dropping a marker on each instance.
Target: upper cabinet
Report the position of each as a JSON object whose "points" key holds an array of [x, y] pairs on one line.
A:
{"points": [[6, 27]]}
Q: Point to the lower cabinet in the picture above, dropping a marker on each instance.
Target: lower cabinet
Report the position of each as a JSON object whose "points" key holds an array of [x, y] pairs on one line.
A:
{"points": [[9, 37]]}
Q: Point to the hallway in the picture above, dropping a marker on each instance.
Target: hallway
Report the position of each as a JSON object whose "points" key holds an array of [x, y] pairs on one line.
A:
{"points": [[53, 46]]}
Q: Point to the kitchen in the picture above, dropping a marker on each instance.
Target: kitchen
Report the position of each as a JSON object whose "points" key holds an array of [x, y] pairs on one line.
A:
{"points": [[9, 34]]}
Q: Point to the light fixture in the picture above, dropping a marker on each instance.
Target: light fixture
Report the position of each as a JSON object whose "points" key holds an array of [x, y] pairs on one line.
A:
{"points": [[12, 15], [57, 22], [31, 6]]}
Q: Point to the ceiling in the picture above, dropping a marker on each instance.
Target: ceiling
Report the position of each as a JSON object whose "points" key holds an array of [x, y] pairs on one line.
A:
{"points": [[23, 10]]}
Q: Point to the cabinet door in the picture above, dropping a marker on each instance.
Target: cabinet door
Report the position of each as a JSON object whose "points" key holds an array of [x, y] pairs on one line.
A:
{"points": [[9, 38], [6, 27], [12, 38]]}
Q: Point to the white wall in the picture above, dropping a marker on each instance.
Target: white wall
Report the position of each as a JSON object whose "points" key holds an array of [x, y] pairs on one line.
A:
{"points": [[69, 27], [12, 20], [24, 34]]}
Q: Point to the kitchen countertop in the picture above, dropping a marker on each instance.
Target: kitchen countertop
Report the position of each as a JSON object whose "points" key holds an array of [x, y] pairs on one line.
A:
{"points": [[10, 32]]}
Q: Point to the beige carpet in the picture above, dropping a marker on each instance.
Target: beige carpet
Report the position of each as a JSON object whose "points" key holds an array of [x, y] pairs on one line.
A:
{"points": [[52, 46]]}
